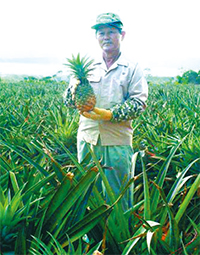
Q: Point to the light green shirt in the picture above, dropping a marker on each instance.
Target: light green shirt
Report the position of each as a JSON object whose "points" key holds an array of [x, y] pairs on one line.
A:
{"points": [[114, 87]]}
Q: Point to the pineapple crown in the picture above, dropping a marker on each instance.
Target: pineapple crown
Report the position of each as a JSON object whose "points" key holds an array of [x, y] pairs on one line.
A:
{"points": [[80, 67]]}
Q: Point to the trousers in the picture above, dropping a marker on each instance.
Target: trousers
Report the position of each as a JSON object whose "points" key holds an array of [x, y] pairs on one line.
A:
{"points": [[117, 162]]}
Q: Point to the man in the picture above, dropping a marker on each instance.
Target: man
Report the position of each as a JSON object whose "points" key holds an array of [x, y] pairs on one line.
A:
{"points": [[121, 91]]}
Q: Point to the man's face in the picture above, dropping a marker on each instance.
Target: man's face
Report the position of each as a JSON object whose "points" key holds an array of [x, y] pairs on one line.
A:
{"points": [[109, 38]]}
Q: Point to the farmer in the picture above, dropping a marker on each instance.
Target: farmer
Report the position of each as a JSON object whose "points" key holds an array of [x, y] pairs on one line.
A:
{"points": [[121, 91]]}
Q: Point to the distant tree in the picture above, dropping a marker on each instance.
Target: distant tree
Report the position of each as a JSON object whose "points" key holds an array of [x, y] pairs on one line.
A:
{"points": [[189, 77], [198, 78]]}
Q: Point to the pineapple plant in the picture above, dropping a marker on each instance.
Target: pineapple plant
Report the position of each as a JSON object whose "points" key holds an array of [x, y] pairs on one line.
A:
{"points": [[82, 92]]}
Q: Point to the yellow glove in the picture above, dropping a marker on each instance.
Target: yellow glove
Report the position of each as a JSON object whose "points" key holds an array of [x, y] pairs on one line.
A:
{"points": [[98, 114]]}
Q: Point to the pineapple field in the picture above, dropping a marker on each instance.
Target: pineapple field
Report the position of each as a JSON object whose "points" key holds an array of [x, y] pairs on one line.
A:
{"points": [[49, 203]]}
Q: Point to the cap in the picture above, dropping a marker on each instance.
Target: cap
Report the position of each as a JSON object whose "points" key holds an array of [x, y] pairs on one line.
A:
{"points": [[108, 19]]}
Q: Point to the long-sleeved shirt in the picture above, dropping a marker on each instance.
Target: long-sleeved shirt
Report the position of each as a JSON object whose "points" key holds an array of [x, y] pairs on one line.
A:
{"points": [[122, 89]]}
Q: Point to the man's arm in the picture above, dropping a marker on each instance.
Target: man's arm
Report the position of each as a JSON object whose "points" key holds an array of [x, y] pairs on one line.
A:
{"points": [[130, 109], [135, 104]]}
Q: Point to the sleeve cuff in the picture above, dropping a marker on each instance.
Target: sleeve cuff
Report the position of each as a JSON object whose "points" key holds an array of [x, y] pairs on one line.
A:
{"points": [[68, 101]]}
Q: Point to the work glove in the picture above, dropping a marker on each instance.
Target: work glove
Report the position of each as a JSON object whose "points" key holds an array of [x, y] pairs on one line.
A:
{"points": [[98, 114]]}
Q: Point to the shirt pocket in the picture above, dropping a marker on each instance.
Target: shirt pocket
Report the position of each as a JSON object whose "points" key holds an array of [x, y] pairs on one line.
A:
{"points": [[124, 83], [118, 90]]}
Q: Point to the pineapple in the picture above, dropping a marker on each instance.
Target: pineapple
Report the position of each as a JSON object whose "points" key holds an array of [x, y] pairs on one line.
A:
{"points": [[82, 93]]}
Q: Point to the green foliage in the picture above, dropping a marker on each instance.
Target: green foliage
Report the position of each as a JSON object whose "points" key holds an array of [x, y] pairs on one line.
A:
{"points": [[80, 67], [172, 113], [189, 77], [49, 201], [39, 207]]}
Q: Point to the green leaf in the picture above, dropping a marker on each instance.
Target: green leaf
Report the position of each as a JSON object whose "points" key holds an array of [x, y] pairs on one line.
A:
{"points": [[1, 212], [11, 208], [71, 249], [134, 208], [161, 176], [184, 249], [173, 234], [95, 248], [70, 199], [41, 247], [133, 164], [179, 182], [147, 209], [188, 198], [59, 197], [38, 232], [196, 227], [2, 197], [71, 156], [20, 244], [57, 247], [86, 224], [28, 159], [134, 240], [37, 186], [14, 182]]}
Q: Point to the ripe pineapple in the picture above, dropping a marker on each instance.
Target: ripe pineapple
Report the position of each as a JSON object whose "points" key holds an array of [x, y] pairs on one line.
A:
{"points": [[82, 93]]}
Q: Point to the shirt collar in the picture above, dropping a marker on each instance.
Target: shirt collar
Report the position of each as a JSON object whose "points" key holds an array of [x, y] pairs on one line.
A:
{"points": [[120, 61]]}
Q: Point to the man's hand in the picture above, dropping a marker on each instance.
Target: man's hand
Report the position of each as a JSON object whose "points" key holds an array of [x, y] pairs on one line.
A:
{"points": [[98, 114], [88, 106]]}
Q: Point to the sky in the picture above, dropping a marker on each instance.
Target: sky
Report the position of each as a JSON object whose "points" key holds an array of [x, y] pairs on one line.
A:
{"points": [[161, 35]]}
